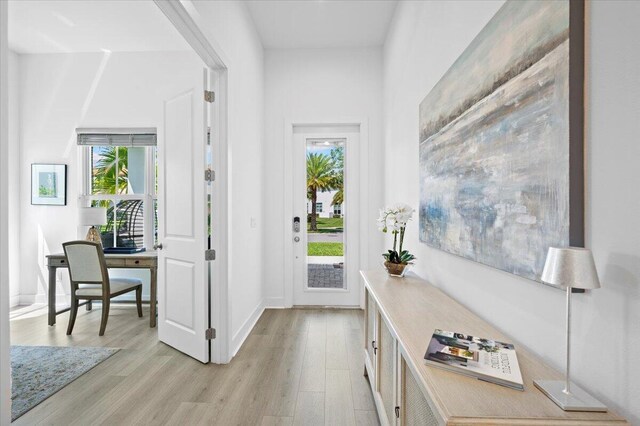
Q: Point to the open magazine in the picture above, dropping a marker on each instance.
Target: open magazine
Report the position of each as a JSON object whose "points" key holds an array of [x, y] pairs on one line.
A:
{"points": [[483, 359]]}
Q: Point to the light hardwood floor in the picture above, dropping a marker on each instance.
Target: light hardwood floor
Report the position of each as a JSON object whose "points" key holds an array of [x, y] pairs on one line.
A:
{"points": [[297, 367]]}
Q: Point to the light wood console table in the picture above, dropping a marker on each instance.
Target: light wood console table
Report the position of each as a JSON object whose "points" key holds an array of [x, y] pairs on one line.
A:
{"points": [[145, 260], [401, 315]]}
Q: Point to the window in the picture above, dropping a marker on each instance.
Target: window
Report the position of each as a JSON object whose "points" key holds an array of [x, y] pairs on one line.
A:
{"points": [[337, 209], [318, 207], [122, 178]]}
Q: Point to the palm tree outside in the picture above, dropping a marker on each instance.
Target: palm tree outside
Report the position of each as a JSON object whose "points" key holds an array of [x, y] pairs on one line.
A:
{"points": [[110, 171], [110, 177], [320, 177]]}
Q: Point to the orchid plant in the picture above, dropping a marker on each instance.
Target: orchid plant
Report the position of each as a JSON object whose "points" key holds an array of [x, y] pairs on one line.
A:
{"points": [[394, 219]]}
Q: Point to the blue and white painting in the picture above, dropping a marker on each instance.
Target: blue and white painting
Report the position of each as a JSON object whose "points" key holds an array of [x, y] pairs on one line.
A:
{"points": [[494, 143]]}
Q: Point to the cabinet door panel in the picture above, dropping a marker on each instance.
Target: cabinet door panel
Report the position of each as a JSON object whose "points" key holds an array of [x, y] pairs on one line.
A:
{"points": [[416, 410], [386, 368], [371, 333]]}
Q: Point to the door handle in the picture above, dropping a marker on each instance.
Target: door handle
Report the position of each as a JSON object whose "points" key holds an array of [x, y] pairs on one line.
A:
{"points": [[157, 246]]}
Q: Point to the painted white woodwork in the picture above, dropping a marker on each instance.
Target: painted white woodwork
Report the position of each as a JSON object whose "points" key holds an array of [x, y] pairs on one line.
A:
{"points": [[350, 294], [183, 293], [5, 364]]}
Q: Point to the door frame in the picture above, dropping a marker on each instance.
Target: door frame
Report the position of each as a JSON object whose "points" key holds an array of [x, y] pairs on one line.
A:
{"points": [[5, 369], [363, 234], [187, 20]]}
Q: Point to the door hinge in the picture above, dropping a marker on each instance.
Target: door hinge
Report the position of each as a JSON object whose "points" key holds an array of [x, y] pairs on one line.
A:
{"points": [[210, 334], [397, 412], [209, 96], [210, 254], [209, 175]]}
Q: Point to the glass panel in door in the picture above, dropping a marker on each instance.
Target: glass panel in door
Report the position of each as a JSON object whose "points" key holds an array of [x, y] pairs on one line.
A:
{"points": [[325, 213]]}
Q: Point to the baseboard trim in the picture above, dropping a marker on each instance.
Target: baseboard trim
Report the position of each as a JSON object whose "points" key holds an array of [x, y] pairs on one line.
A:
{"points": [[14, 301], [26, 299], [241, 335], [274, 303]]}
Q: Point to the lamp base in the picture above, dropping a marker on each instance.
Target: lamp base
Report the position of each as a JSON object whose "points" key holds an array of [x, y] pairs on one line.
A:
{"points": [[577, 400], [93, 235]]}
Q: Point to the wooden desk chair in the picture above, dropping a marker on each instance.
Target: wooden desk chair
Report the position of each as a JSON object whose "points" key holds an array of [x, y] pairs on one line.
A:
{"points": [[90, 280]]}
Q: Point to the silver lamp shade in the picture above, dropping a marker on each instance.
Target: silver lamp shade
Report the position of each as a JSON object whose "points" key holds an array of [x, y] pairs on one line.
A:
{"points": [[570, 267]]}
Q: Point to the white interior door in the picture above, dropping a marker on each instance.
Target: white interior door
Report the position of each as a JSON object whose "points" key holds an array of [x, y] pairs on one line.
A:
{"points": [[183, 293], [307, 269]]}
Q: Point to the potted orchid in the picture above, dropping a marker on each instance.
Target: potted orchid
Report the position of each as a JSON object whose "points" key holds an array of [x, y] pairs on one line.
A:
{"points": [[394, 219]]}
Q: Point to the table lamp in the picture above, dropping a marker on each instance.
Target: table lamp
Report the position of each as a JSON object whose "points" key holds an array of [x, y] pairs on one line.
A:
{"points": [[571, 267], [92, 216]]}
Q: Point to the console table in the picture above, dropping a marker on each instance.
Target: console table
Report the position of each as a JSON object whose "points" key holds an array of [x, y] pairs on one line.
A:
{"points": [[400, 317], [144, 260]]}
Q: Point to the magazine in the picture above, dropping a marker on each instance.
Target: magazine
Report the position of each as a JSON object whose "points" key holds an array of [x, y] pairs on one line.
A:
{"points": [[483, 359]]}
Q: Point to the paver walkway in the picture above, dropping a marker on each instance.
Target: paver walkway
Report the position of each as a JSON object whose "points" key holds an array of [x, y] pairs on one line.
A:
{"points": [[324, 276]]}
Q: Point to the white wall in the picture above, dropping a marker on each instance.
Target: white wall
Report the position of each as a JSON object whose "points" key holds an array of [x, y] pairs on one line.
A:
{"points": [[318, 86], [14, 178], [60, 92], [230, 29], [425, 39]]}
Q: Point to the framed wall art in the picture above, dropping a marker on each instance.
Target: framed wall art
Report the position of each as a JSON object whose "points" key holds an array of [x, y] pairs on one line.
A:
{"points": [[501, 141], [49, 184]]}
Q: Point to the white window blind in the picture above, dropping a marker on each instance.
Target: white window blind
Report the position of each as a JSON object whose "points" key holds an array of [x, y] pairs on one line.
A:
{"points": [[117, 137]]}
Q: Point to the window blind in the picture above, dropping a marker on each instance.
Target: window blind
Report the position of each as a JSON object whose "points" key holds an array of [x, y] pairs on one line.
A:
{"points": [[117, 137]]}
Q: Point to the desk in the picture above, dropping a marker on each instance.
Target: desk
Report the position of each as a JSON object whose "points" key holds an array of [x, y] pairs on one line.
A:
{"points": [[145, 260]]}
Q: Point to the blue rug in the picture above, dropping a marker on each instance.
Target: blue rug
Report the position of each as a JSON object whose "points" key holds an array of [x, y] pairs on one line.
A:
{"points": [[37, 372]]}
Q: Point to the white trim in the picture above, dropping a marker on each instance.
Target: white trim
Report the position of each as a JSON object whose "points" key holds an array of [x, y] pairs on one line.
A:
{"points": [[187, 20], [274, 303], [14, 301], [241, 335], [117, 130], [30, 299], [148, 197], [363, 181], [5, 371]]}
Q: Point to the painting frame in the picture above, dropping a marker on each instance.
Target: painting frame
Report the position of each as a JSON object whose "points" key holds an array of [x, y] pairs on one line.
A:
{"points": [[444, 121], [48, 184]]}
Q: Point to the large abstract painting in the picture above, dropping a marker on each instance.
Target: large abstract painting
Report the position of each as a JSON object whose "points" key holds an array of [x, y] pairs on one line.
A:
{"points": [[501, 141]]}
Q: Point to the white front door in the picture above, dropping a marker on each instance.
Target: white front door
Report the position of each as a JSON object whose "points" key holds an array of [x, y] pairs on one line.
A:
{"points": [[183, 291], [322, 275]]}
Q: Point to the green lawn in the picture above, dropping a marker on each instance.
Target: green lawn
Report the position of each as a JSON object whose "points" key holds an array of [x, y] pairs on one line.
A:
{"points": [[325, 249], [329, 224]]}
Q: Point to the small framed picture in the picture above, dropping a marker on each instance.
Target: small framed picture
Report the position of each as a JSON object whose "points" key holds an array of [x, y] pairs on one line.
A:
{"points": [[49, 184]]}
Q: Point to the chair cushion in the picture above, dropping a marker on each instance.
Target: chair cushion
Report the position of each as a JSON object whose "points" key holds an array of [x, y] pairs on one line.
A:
{"points": [[116, 285]]}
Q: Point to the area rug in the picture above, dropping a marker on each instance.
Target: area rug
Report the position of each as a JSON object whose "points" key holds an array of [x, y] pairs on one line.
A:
{"points": [[37, 372]]}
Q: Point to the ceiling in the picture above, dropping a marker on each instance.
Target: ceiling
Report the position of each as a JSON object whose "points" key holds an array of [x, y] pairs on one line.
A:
{"points": [[53, 26], [321, 23]]}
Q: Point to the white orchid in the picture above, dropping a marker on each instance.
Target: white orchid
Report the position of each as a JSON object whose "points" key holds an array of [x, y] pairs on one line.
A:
{"points": [[395, 219]]}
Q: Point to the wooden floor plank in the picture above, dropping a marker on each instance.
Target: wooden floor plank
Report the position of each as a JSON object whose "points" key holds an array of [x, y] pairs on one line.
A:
{"points": [[338, 404], [367, 418], [309, 409], [313, 367], [276, 421]]}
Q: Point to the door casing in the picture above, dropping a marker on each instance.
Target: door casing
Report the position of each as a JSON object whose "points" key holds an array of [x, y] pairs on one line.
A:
{"points": [[357, 175], [187, 20]]}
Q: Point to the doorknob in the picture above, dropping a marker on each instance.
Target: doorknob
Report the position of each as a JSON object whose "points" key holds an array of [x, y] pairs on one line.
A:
{"points": [[157, 246]]}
